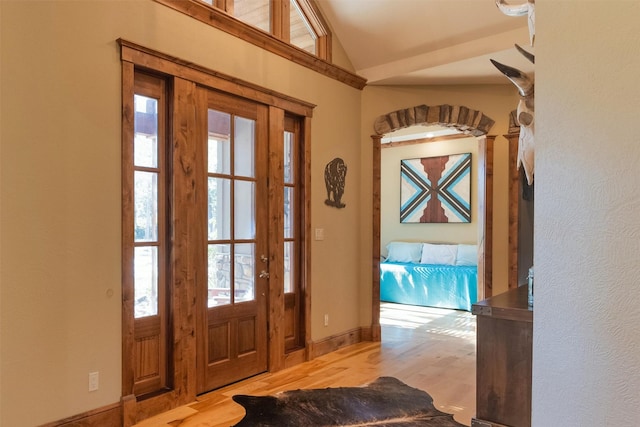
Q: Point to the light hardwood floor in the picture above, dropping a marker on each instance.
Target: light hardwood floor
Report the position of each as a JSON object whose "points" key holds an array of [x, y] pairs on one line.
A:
{"points": [[426, 348]]}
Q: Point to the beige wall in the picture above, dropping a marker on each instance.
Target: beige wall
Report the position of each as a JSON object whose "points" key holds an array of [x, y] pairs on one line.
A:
{"points": [[60, 190], [586, 336], [390, 227]]}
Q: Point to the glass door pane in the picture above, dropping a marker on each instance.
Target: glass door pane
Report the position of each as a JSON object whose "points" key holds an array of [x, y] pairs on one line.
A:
{"points": [[145, 270], [219, 275], [244, 286], [289, 211], [146, 206], [288, 267], [219, 211], [219, 143], [244, 207], [231, 208], [244, 147]]}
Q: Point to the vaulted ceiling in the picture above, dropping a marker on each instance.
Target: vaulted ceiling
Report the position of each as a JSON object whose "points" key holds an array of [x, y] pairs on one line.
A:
{"points": [[428, 42]]}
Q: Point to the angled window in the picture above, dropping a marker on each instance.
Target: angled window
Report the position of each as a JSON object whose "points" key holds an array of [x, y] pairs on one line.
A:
{"points": [[301, 32]]}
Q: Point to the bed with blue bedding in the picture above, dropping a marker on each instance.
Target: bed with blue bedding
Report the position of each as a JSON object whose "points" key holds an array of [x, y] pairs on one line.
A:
{"points": [[443, 286], [444, 280]]}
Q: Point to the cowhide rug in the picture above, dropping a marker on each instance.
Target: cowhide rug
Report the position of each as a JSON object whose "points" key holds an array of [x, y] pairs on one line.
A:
{"points": [[385, 402]]}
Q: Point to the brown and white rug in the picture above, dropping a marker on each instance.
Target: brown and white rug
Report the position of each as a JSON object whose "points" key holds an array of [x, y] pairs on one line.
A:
{"points": [[385, 402]]}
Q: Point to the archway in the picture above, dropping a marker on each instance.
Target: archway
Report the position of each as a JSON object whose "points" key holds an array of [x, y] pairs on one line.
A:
{"points": [[469, 122]]}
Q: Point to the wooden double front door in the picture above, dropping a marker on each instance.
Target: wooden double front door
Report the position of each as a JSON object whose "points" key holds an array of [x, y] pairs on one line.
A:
{"points": [[215, 222]]}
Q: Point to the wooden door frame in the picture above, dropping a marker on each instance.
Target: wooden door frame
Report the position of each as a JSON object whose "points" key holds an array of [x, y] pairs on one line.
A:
{"points": [[472, 123], [514, 209]]}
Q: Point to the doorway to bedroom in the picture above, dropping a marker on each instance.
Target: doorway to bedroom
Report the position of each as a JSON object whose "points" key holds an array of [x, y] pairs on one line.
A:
{"points": [[427, 262]]}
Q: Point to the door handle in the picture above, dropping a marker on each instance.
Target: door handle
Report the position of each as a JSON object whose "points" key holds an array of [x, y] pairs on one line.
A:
{"points": [[264, 275]]}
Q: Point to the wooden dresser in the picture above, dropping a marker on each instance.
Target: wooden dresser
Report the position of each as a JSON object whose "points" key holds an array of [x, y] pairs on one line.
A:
{"points": [[503, 367]]}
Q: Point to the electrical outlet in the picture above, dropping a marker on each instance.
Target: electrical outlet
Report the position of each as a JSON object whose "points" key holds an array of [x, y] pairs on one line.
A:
{"points": [[93, 381], [326, 320]]}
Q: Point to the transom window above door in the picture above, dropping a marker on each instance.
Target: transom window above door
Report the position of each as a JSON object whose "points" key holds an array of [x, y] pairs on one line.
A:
{"points": [[296, 22]]}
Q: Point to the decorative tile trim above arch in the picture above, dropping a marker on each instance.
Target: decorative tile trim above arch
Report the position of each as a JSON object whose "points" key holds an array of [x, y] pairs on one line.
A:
{"points": [[468, 121]]}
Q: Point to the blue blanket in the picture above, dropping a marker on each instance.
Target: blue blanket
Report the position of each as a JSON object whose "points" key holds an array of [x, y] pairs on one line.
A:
{"points": [[444, 286]]}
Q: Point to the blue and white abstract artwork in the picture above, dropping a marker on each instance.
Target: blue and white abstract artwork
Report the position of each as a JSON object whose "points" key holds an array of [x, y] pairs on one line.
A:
{"points": [[436, 189]]}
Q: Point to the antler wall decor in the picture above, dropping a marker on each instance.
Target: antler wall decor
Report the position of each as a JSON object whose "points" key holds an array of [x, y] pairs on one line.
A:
{"points": [[525, 9], [525, 86]]}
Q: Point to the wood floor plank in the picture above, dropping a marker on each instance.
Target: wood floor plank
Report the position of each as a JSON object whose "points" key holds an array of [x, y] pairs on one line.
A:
{"points": [[429, 349]]}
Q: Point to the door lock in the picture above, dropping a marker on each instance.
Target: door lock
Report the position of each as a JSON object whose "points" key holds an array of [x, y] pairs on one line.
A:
{"points": [[263, 258], [264, 275]]}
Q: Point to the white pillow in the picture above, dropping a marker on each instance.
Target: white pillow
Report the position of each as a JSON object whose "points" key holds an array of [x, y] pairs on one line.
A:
{"points": [[404, 252], [467, 255], [439, 254]]}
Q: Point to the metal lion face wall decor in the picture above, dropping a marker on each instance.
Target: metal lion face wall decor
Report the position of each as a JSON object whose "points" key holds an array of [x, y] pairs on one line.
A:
{"points": [[335, 174]]}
